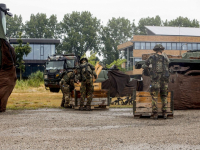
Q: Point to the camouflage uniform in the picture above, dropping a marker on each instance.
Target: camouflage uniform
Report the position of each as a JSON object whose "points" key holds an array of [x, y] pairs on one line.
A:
{"points": [[86, 73], [159, 75], [67, 85]]}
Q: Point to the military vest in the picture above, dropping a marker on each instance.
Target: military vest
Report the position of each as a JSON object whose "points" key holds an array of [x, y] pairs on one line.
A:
{"points": [[86, 71], [160, 65]]}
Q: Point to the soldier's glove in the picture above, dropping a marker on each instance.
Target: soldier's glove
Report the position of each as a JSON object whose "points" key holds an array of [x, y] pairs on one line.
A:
{"points": [[95, 76]]}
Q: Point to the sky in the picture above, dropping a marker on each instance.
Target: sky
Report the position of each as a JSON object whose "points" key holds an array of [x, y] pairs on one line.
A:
{"points": [[106, 9]]}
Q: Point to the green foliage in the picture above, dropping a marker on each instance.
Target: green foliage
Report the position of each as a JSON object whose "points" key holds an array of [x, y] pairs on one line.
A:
{"points": [[182, 22], [14, 26], [34, 80], [92, 59], [37, 76], [40, 26], [117, 31], [140, 30], [80, 33], [118, 63], [20, 51]]}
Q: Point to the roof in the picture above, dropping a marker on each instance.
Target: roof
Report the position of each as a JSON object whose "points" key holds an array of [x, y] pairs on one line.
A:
{"points": [[176, 31], [35, 41]]}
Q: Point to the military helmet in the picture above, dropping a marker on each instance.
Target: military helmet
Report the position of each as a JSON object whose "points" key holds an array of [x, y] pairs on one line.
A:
{"points": [[158, 47], [83, 59]]}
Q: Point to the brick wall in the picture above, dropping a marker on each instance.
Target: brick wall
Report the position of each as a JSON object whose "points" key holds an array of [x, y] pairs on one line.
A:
{"points": [[157, 38]]}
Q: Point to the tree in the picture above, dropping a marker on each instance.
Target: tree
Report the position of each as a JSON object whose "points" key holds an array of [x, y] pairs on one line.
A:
{"points": [[92, 59], [14, 26], [40, 26], [117, 31], [79, 33], [20, 51], [182, 22], [140, 30], [118, 63]]}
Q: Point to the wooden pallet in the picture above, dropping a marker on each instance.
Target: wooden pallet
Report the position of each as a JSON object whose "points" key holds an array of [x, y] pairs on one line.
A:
{"points": [[101, 99], [142, 105]]}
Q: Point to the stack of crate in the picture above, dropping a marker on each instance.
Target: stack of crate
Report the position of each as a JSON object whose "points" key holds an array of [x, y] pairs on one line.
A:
{"points": [[142, 105]]}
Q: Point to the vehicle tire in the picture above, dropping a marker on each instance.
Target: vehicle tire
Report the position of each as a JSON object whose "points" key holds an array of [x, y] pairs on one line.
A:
{"points": [[56, 90]]}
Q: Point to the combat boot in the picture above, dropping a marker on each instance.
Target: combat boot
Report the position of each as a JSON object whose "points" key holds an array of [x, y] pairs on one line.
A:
{"points": [[66, 105], [164, 114], [81, 108], [155, 115], [88, 108]]}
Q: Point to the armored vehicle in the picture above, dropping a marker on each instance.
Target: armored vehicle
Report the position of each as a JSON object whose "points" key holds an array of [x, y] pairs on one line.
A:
{"points": [[54, 67]]}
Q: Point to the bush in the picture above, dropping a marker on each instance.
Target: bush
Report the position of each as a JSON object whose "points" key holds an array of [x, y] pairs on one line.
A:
{"points": [[34, 80], [38, 76]]}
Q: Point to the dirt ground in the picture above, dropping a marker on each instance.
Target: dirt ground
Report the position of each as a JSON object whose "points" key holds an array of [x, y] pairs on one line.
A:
{"points": [[98, 129]]}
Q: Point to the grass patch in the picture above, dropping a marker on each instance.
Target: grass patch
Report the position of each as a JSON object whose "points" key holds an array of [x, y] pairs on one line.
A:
{"points": [[34, 101]]}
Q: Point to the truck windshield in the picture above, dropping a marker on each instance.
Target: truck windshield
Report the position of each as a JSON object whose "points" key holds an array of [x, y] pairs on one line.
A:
{"points": [[70, 63], [54, 65]]}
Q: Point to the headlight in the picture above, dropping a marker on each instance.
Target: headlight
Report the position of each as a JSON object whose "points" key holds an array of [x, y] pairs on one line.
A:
{"points": [[57, 75], [45, 76]]}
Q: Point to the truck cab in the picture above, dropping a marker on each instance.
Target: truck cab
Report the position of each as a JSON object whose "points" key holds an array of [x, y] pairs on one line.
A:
{"points": [[54, 67]]}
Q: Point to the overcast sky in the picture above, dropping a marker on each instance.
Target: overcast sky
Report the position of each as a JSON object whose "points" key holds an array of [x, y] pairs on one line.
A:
{"points": [[106, 9]]}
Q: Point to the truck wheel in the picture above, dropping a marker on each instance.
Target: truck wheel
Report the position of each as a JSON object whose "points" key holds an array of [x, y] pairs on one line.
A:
{"points": [[56, 90]]}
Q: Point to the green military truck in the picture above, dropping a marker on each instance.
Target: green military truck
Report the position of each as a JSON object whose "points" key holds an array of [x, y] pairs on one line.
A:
{"points": [[54, 67]]}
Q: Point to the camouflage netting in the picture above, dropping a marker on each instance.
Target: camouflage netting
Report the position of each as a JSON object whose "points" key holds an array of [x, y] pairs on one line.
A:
{"points": [[186, 90], [119, 84], [7, 74]]}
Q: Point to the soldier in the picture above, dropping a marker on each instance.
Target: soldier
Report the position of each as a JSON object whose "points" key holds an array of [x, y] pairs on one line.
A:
{"points": [[85, 75], [159, 75], [67, 86]]}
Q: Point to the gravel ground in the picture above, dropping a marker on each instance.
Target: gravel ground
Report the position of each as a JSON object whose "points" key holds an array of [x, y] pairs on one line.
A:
{"points": [[99, 129]]}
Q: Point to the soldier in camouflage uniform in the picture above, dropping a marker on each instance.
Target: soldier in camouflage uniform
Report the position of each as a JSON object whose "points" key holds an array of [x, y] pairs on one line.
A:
{"points": [[85, 75], [158, 67], [67, 85]]}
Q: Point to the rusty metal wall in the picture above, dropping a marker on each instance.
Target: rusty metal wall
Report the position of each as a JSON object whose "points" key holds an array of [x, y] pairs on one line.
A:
{"points": [[186, 90]]}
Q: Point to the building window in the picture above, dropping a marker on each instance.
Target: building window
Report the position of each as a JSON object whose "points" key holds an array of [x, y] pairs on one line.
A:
{"points": [[173, 46], [47, 51], [153, 45], [130, 53], [164, 45], [148, 46], [189, 46], [184, 46], [53, 50], [30, 55], [178, 46], [169, 46], [137, 45], [198, 46], [36, 51], [142, 45], [135, 60], [194, 46]]}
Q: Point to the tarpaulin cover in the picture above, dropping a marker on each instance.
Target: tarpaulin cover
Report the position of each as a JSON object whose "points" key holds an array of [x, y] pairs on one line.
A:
{"points": [[7, 74], [186, 90], [118, 83]]}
